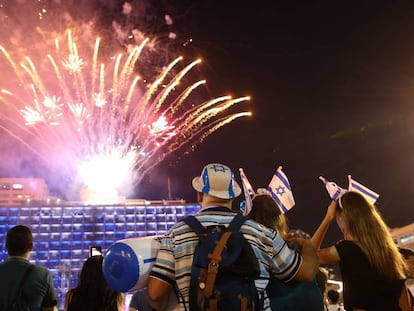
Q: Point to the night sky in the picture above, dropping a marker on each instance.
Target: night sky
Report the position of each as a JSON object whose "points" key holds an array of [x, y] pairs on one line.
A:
{"points": [[332, 87]]}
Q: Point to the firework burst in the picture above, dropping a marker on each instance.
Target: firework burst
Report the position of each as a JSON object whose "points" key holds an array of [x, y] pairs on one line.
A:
{"points": [[97, 117]]}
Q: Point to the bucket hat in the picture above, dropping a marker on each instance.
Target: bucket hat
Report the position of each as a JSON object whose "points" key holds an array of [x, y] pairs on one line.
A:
{"points": [[217, 180]]}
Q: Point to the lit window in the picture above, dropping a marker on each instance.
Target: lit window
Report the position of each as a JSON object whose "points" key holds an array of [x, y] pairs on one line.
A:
{"points": [[17, 186]]}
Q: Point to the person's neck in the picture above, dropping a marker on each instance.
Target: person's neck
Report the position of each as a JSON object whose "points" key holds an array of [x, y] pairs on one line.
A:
{"points": [[215, 204], [25, 256], [209, 201]]}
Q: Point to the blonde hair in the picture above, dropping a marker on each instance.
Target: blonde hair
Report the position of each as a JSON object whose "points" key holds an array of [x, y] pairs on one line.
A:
{"points": [[371, 234], [266, 211]]}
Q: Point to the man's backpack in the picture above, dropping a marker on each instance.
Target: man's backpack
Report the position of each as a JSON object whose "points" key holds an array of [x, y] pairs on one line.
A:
{"points": [[224, 269]]}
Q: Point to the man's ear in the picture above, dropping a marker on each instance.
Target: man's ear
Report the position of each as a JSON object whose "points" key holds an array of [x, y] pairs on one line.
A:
{"points": [[199, 197], [30, 247]]}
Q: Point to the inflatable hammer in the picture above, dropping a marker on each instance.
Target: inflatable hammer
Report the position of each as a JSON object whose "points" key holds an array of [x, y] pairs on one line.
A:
{"points": [[128, 263]]}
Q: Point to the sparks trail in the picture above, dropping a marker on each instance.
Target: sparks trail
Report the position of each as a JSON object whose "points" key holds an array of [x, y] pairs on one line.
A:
{"points": [[100, 118]]}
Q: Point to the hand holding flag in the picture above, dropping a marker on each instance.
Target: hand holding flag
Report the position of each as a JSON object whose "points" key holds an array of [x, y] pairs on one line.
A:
{"points": [[369, 194], [333, 189], [280, 190]]}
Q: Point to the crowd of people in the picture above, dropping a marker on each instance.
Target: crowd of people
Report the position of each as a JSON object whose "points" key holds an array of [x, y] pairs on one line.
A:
{"points": [[290, 277], [372, 268]]}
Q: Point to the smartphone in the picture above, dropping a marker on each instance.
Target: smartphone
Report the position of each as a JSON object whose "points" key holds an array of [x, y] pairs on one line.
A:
{"points": [[95, 250]]}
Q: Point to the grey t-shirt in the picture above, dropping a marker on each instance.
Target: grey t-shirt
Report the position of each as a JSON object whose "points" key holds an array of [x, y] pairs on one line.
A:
{"points": [[139, 301], [38, 288]]}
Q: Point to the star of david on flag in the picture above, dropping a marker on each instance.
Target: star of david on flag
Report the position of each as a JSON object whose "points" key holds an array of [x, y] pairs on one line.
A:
{"points": [[333, 189], [281, 191], [369, 194], [248, 193]]}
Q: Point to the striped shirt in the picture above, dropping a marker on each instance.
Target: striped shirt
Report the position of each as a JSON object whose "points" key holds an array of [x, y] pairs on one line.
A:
{"points": [[175, 257]]}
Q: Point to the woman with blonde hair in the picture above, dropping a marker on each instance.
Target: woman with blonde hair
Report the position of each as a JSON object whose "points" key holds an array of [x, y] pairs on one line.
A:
{"points": [[371, 266]]}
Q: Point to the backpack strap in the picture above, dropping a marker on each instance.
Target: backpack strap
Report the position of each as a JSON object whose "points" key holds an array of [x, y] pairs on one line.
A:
{"points": [[22, 282], [237, 222], [194, 224], [215, 258]]}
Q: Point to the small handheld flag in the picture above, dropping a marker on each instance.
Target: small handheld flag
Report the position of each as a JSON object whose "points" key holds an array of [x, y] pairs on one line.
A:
{"points": [[369, 194], [248, 193], [333, 189], [246, 182], [280, 190]]}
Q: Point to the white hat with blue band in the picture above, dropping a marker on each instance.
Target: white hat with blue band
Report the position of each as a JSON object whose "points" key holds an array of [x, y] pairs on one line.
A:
{"points": [[217, 180]]}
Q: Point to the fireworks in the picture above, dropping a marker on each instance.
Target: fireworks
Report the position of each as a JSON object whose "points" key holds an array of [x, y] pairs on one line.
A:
{"points": [[97, 117]]}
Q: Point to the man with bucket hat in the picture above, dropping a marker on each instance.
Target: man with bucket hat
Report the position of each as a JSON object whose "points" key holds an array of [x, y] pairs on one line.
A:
{"points": [[216, 189]]}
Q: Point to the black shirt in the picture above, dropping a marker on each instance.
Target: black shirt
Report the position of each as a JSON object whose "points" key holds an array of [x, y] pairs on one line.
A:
{"points": [[363, 287]]}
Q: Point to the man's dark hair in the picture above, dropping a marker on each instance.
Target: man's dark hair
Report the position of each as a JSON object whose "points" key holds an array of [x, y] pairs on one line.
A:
{"points": [[333, 296], [19, 240]]}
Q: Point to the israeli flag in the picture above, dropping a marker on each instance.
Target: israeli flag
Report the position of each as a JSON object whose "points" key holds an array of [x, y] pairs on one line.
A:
{"points": [[280, 191], [369, 194], [333, 189], [246, 182], [248, 193]]}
